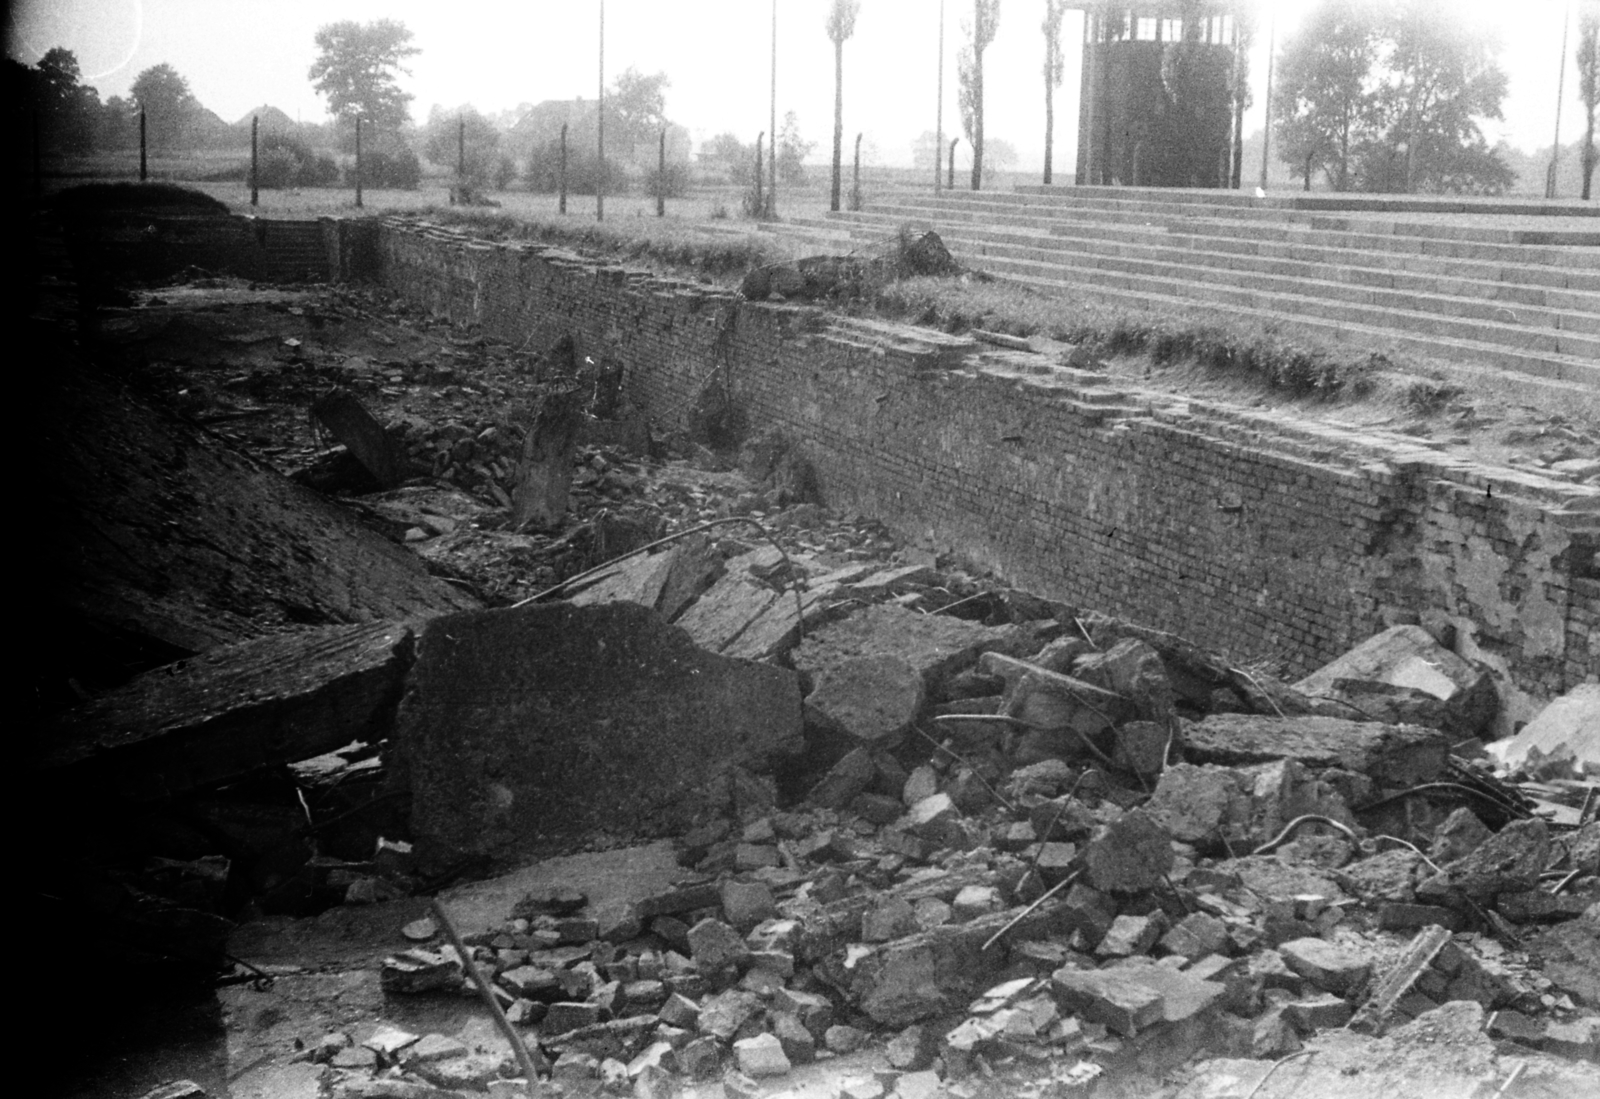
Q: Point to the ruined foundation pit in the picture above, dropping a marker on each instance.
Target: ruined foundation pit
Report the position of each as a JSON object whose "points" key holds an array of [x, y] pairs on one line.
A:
{"points": [[1010, 728]]}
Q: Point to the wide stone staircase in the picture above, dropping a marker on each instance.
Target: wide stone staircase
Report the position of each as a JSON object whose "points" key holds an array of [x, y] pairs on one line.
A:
{"points": [[1508, 288]]}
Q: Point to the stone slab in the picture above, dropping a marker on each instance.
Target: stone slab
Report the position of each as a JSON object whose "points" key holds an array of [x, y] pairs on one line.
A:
{"points": [[236, 709], [1410, 657], [1396, 755], [532, 722]]}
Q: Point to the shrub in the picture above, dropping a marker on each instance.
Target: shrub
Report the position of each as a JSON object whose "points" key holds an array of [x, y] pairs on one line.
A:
{"points": [[505, 171], [397, 169], [674, 183], [286, 161], [583, 170]]}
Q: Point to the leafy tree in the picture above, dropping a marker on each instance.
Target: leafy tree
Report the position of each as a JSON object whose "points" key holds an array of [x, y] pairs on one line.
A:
{"points": [[356, 69], [998, 156], [118, 125], [1589, 82], [1440, 77], [636, 108], [168, 105], [841, 25], [969, 71], [729, 156], [792, 150], [67, 108], [1055, 67], [442, 142], [1322, 98], [287, 161]]}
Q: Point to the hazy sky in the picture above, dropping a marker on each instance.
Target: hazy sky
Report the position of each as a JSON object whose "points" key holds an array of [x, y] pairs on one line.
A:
{"points": [[238, 54]]}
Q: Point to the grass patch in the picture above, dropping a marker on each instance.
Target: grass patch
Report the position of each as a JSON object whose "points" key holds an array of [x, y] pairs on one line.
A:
{"points": [[1299, 367], [669, 243]]}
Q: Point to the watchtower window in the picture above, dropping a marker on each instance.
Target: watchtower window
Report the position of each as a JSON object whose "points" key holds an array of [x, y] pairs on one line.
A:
{"points": [[1146, 31]]}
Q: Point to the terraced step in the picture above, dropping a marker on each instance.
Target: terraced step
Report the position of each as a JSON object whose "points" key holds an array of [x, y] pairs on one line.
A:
{"points": [[1509, 349], [1458, 281], [1540, 344], [1582, 271]]}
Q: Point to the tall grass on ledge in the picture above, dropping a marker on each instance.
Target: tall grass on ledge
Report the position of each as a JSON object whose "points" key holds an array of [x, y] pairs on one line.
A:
{"points": [[672, 243], [1168, 336]]}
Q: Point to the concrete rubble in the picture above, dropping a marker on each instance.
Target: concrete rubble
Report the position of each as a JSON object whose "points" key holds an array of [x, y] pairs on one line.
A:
{"points": [[918, 833]]}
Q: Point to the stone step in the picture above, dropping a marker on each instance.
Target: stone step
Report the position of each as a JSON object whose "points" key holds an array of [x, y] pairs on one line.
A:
{"points": [[1544, 343], [1315, 201], [1584, 305], [1580, 262], [1501, 369], [1538, 328], [1570, 229], [1334, 284]]}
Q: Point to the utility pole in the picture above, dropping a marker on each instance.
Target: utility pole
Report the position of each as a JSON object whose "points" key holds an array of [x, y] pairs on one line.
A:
{"points": [[855, 190], [760, 170], [938, 125], [144, 162], [772, 150], [358, 161], [255, 175], [661, 178], [461, 149], [563, 206], [950, 185], [1561, 87], [600, 125], [1266, 125]]}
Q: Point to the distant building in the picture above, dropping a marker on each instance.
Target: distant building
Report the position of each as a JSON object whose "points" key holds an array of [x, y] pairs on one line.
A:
{"points": [[1155, 107]]}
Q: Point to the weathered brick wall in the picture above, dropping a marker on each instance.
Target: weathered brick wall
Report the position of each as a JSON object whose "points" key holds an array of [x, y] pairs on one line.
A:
{"points": [[1250, 533]]}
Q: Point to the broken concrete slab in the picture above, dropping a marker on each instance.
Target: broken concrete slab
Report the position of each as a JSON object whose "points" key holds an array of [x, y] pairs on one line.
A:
{"points": [[1410, 657], [1059, 709], [922, 975], [1510, 861], [936, 646], [234, 710], [1132, 855], [871, 701], [727, 609], [1568, 729], [546, 720], [1132, 669], [1329, 966], [1394, 755], [343, 414], [1114, 998], [159, 540]]}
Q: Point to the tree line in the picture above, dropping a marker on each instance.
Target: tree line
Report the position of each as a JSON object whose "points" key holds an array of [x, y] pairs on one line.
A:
{"points": [[1372, 95], [1389, 97]]}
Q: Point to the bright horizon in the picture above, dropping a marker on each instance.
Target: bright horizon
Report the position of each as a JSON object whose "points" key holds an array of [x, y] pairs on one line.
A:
{"points": [[240, 54]]}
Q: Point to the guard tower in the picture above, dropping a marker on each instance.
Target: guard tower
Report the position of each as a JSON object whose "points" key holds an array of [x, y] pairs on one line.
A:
{"points": [[1156, 106]]}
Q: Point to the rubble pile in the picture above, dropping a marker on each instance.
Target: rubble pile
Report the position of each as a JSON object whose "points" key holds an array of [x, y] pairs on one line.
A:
{"points": [[1150, 886], [948, 836]]}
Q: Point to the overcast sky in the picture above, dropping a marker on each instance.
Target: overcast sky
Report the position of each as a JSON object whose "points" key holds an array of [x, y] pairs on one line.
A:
{"points": [[238, 54]]}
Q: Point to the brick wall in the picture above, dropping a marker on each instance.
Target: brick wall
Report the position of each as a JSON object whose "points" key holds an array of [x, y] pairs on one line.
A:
{"points": [[1251, 533]]}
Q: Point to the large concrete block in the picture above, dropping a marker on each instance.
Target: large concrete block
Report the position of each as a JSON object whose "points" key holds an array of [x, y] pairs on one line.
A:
{"points": [[530, 723], [1567, 729], [1394, 755], [1408, 657]]}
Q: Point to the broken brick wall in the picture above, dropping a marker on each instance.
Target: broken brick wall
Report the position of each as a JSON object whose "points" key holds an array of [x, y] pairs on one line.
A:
{"points": [[1255, 535], [146, 245]]}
